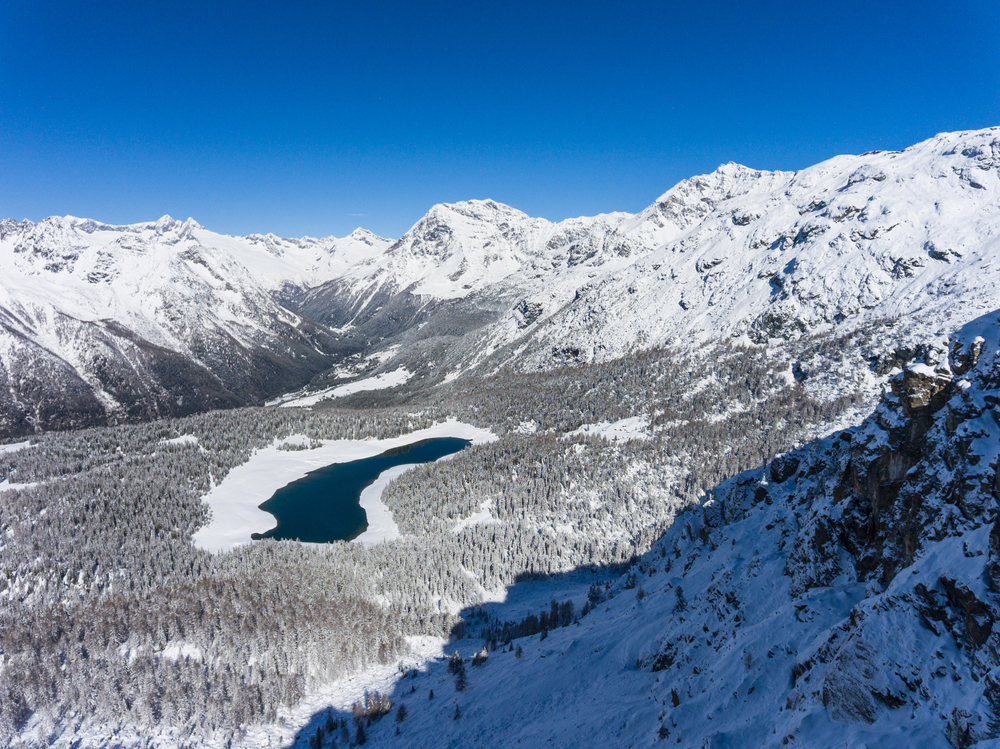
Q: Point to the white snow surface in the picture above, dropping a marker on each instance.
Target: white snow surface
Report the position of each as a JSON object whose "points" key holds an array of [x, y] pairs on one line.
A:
{"points": [[376, 382], [483, 516], [381, 526], [623, 430], [14, 446], [184, 439], [136, 275], [11, 447], [235, 501], [6, 486]]}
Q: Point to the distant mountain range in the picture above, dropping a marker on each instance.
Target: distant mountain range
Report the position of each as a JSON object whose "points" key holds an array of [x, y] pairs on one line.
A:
{"points": [[106, 323], [100, 323]]}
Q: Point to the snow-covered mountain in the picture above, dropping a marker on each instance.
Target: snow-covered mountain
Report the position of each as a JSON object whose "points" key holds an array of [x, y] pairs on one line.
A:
{"points": [[477, 285], [103, 323], [882, 235], [480, 263], [738, 252]]}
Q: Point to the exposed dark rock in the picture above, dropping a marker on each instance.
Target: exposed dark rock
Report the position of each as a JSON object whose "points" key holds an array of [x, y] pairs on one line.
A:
{"points": [[783, 467], [921, 391], [977, 617], [526, 312]]}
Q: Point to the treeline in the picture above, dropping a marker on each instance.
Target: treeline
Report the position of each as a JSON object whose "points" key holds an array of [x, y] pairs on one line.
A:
{"points": [[496, 632]]}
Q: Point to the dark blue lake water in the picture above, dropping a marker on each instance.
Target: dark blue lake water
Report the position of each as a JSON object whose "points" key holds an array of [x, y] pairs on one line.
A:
{"points": [[324, 505]]}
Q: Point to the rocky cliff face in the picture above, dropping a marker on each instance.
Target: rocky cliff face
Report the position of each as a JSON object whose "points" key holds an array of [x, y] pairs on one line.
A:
{"points": [[889, 542]]}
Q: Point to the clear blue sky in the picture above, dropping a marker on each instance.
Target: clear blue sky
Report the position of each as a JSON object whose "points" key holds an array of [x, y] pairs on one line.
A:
{"points": [[316, 117]]}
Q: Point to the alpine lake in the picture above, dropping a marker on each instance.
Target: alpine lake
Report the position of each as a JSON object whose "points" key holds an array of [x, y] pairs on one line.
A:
{"points": [[325, 505]]}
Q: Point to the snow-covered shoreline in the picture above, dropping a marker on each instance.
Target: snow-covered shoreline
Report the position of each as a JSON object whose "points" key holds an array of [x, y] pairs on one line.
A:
{"points": [[235, 502], [14, 447], [381, 526]]}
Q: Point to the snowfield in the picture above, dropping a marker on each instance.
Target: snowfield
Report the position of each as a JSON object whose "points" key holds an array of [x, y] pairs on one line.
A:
{"points": [[14, 446], [632, 428], [377, 382], [381, 526]]}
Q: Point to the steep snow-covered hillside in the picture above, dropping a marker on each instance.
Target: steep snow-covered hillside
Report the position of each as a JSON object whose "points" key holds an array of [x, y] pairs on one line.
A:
{"points": [[882, 235], [103, 322], [846, 594]]}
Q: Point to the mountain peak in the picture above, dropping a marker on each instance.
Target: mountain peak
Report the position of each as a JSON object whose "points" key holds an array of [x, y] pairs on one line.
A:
{"points": [[165, 223], [477, 209], [364, 235]]}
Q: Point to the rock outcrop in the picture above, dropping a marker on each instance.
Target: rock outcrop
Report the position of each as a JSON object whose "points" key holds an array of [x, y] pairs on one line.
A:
{"points": [[867, 564]]}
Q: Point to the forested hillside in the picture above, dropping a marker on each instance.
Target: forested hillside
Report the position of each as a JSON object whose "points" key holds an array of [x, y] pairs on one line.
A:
{"points": [[112, 617]]}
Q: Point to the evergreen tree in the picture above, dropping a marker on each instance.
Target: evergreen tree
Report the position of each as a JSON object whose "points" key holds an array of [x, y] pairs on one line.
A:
{"points": [[681, 604]]}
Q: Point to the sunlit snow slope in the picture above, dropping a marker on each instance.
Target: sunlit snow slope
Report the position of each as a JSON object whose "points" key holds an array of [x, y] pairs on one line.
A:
{"points": [[847, 594]]}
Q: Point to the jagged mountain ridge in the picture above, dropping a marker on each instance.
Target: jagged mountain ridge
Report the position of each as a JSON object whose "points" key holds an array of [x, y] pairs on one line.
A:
{"points": [[484, 268], [104, 323], [855, 238]]}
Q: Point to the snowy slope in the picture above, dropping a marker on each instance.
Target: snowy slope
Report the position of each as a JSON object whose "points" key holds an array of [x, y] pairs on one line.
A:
{"points": [[845, 595], [103, 322]]}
